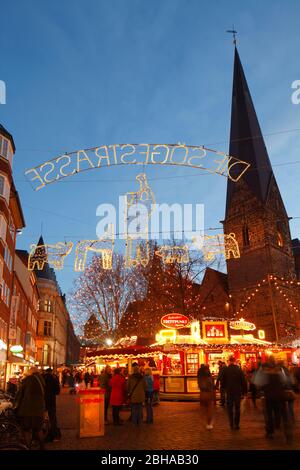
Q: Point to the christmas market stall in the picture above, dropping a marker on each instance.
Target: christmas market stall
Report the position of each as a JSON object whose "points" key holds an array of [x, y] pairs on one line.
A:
{"points": [[183, 345]]}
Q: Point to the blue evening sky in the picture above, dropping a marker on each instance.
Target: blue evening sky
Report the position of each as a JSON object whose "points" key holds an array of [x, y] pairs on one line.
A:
{"points": [[81, 74]]}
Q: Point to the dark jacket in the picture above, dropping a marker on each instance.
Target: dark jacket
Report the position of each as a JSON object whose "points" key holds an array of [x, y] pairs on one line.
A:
{"points": [[136, 388], [275, 384], [30, 398], [52, 389], [234, 381]]}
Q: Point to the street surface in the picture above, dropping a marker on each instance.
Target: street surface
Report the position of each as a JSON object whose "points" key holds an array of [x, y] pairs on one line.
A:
{"points": [[177, 426]]}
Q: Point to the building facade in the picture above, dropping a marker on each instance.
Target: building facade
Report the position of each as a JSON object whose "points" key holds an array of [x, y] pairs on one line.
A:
{"points": [[262, 282], [54, 329], [24, 317], [11, 221]]}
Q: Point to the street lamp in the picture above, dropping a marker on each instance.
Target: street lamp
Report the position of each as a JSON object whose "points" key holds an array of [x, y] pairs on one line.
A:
{"points": [[108, 342]]}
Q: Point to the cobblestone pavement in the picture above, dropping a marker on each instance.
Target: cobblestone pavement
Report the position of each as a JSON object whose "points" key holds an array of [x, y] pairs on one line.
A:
{"points": [[177, 426]]}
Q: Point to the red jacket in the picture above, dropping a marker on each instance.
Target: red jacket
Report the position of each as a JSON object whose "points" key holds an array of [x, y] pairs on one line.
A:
{"points": [[156, 384], [117, 384]]}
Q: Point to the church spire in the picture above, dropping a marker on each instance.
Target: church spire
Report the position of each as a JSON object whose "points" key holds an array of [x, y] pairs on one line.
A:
{"points": [[246, 140]]}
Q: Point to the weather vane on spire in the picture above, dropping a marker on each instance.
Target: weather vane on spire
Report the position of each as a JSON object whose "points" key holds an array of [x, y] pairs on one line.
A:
{"points": [[234, 33]]}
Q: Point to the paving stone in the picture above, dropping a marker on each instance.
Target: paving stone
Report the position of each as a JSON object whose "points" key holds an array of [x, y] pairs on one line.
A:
{"points": [[177, 426]]}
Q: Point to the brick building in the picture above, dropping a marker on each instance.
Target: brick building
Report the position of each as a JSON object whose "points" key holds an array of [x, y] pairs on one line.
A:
{"points": [[262, 282], [11, 221], [25, 300]]}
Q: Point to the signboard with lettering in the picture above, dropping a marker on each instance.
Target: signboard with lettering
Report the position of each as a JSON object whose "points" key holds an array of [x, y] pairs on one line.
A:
{"points": [[13, 317], [175, 321], [215, 330]]}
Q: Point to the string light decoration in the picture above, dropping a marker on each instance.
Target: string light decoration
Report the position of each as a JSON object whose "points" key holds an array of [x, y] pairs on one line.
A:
{"points": [[54, 255], [275, 281], [136, 154], [173, 254], [137, 240], [169, 288], [212, 245], [103, 245]]}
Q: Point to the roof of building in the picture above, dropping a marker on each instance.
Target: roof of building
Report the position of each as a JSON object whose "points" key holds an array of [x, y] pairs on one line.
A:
{"points": [[246, 139], [47, 272], [6, 134]]}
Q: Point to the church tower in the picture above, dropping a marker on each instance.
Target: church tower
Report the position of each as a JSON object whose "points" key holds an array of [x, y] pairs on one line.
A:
{"points": [[256, 214]]}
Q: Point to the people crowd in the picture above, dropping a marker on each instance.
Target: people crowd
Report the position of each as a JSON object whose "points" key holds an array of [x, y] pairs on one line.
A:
{"points": [[271, 381], [35, 405]]}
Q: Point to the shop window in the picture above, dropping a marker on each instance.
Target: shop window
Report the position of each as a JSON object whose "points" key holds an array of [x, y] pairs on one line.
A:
{"points": [[246, 238], [192, 363], [47, 328]]}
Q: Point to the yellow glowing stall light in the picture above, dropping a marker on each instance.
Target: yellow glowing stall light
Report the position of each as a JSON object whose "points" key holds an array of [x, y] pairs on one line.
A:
{"points": [[261, 334], [195, 330], [166, 336]]}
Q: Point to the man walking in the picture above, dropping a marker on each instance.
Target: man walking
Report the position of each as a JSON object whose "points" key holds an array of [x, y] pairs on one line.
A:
{"points": [[52, 389], [234, 382]]}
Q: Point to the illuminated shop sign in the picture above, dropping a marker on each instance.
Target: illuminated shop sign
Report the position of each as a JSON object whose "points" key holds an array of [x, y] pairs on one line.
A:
{"points": [[242, 324], [215, 330], [175, 321]]}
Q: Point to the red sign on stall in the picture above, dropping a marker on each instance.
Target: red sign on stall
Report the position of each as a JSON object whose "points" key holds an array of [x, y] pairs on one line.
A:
{"points": [[175, 321]]}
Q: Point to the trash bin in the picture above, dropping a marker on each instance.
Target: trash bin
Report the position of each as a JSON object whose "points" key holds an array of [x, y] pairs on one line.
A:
{"points": [[90, 412]]}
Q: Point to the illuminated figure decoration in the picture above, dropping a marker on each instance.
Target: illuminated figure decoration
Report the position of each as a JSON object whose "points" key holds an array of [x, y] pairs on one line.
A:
{"points": [[219, 244], [139, 205], [103, 245], [54, 255], [173, 254]]}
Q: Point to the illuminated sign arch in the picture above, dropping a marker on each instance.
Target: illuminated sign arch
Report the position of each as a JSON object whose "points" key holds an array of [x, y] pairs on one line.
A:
{"points": [[191, 156]]}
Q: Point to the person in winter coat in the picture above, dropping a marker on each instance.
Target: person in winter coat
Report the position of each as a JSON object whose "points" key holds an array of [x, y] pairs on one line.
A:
{"points": [[222, 368], [104, 380], [234, 382], [272, 381], [206, 386], [117, 395], [87, 379], [148, 377], [30, 406], [52, 388], [136, 390]]}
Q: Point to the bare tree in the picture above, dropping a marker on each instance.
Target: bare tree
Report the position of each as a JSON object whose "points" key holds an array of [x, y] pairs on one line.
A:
{"points": [[104, 294]]}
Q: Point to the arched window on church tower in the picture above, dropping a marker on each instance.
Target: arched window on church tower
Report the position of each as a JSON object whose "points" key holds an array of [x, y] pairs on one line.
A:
{"points": [[280, 239], [246, 238]]}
